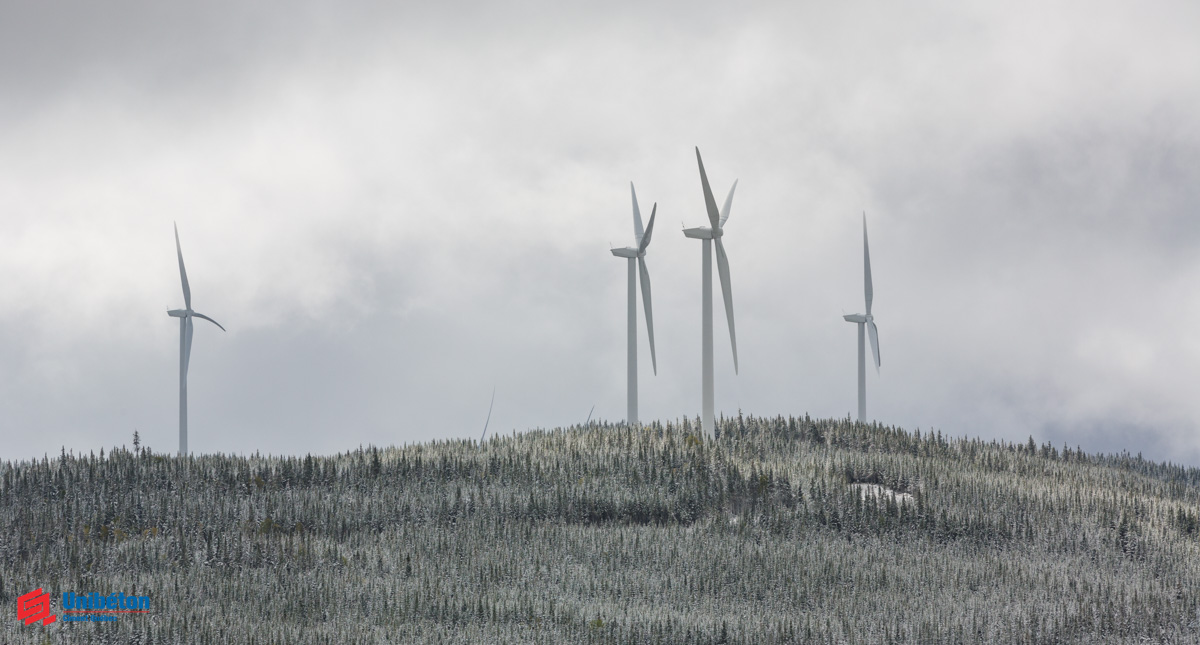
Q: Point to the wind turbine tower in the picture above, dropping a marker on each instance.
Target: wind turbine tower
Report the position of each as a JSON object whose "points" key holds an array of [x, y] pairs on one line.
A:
{"points": [[866, 324], [185, 344], [637, 255], [709, 234], [489, 417]]}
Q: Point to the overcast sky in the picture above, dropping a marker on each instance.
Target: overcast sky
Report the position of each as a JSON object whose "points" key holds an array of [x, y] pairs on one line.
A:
{"points": [[394, 207]]}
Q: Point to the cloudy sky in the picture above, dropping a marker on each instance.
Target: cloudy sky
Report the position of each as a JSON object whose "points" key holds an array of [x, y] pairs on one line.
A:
{"points": [[395, 207]]}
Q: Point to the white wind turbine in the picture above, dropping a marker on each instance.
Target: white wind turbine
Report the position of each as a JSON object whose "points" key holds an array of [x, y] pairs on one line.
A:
{"points": [[866, 323], [637, 254], [708, 234], [185, 344], [489, 417]]}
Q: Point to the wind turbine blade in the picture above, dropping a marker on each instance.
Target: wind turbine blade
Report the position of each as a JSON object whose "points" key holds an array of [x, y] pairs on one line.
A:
{"points": [[646, 306], [187, 344], [714, 218], [200, 315], [649, 231], [727, 292], [187, 290], [589, 419], [489, 416], [637, 217], [873, 332], [868, 289], [728, 203]]}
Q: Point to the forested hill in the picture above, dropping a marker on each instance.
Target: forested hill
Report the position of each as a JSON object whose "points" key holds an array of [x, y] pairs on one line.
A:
{"points": [[782, 530]]}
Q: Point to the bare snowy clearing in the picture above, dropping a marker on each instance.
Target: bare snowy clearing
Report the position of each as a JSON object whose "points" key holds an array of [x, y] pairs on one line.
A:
{"points": [[878, 492]]}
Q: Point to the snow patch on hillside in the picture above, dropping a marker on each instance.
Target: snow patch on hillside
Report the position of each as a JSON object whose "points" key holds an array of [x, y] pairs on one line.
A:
{"points": [[878, 492]]}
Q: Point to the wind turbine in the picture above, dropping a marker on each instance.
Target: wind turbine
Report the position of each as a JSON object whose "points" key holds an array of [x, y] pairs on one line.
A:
{"points": [[185, 344], [708, 234], [637, 254], [489, 417], [866, 322]]}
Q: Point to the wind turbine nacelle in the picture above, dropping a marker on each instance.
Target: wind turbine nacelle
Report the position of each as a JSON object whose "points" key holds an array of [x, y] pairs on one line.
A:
{"points": [[178, 313], [701, 233], [856, 318], [625, 252]]}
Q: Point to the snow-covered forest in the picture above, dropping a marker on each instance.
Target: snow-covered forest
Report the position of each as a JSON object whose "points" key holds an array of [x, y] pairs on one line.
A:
{"points": [[611, 534]]}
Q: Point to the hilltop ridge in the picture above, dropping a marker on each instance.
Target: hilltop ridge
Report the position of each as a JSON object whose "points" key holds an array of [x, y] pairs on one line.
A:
{"points": [[611, 534]]}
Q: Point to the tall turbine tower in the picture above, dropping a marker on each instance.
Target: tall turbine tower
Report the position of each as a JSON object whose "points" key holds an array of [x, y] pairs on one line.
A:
{"points": [[637, 254], [489, 417], [708, 234], [185, 344], [866, 322]]}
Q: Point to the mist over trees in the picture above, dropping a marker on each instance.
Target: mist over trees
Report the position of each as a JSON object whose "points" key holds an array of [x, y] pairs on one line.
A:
{"points": [[611, 534]]}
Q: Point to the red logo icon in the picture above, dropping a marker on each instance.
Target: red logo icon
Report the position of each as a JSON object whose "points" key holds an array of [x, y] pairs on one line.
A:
{"points": [[35, 606]]}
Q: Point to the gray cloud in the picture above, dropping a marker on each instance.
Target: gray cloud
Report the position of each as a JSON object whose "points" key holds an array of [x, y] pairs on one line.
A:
{"points": [[394, 208]]}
